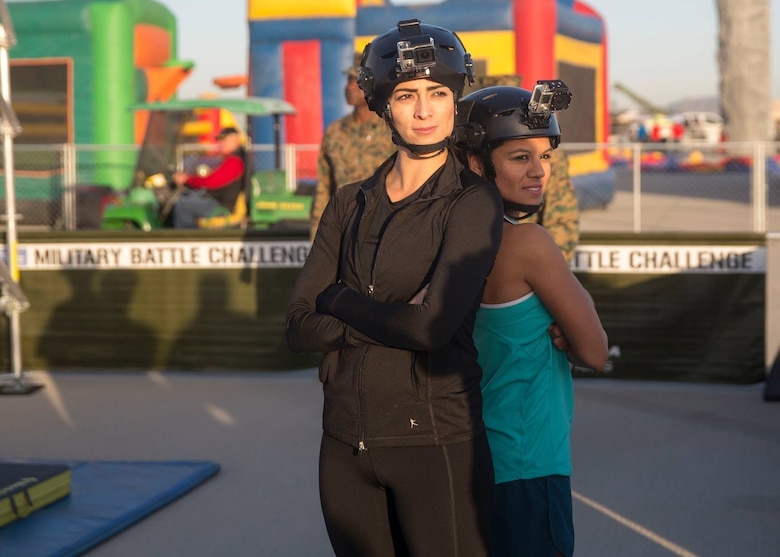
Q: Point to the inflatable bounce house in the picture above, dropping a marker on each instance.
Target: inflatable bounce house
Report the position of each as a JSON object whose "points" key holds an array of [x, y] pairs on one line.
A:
{"points": [[79, 65], [299, 49]]}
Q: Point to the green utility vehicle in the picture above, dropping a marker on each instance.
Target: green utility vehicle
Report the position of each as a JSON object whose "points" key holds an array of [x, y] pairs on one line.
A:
{"points": [[270, 200]]}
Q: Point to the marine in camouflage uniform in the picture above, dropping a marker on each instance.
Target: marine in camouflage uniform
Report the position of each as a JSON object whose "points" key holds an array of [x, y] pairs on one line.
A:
{"points": [[352, 147], [559, 214]]}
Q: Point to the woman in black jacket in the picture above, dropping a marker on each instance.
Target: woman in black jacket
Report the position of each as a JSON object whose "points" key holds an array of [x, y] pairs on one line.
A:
{"points": [[389, 293]]}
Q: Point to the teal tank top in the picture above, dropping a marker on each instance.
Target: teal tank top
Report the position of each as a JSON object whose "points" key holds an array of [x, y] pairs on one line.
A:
{"points": [[527, 390]]}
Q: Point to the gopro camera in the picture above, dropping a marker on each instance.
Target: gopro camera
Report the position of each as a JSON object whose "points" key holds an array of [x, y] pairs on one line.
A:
{"points": [[548, 96], [416, 54]]}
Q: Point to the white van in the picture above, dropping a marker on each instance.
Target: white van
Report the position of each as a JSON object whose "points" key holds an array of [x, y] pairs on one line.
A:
{"points": [[701, 126]]}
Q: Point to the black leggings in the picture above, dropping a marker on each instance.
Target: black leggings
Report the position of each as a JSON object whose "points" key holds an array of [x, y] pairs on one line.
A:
{"points": [[407, 501]]}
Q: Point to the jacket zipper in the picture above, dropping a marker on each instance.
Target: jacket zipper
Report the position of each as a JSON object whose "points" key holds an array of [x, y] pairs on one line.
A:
{"points": [[362, 413], [370, 292], [361, 404]]}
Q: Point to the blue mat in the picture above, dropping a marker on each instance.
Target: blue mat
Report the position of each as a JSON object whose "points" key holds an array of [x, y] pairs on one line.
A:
{"points": [[105, 498]]}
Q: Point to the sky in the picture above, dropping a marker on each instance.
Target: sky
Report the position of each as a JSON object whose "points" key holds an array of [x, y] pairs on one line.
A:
{"points": [[665, 52]]}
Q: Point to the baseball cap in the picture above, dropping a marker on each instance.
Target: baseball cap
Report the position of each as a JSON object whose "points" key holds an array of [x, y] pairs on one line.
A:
{"points": [[352, 71], [224, 132], [512, 80]]}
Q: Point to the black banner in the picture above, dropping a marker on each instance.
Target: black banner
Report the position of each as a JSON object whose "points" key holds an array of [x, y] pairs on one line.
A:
{"points": [[679, 311]]}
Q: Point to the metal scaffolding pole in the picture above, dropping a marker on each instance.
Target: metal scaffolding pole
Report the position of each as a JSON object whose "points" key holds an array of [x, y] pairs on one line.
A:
{"points": [[13, 300]]}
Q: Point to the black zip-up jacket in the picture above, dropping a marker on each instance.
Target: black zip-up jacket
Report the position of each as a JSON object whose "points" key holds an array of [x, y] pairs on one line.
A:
{"points": [[394, 373]]}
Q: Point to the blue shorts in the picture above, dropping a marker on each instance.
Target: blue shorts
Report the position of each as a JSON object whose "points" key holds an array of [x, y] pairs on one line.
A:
{"points": [[533, 518]]}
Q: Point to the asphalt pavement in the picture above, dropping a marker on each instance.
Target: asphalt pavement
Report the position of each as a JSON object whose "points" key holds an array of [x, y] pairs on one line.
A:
{"points": [[660, 468], [674, 201]]}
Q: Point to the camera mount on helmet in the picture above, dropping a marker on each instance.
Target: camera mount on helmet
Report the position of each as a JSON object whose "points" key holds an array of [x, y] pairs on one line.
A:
{"points": [[417, 52], [548, 96]]}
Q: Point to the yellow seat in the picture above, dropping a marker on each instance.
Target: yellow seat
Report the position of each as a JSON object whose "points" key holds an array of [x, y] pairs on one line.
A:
{"points": [[223, 219]]}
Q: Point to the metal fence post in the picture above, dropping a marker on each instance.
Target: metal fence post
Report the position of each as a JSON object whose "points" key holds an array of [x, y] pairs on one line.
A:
{"points": [[772, 301], [637, 187], [290, 167], [758, 186], [69, 201]]}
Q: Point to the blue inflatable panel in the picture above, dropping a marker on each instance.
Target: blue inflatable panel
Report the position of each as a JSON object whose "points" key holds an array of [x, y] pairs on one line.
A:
{"points": [[274, 30], [106, 497], [579, 26], [458, 15], [596, 190]]}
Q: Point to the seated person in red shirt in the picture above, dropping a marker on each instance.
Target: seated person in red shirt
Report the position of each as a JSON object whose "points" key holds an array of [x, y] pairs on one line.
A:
{"points": [[220, 188]]}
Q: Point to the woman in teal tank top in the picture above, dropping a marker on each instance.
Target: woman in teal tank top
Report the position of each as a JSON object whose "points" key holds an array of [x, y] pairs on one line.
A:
{"points": [[527, 386]]}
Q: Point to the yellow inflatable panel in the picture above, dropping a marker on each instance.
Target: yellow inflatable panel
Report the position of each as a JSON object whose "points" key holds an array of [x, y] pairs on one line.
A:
{"points": [[497, 48], [586, 163], [578, 52], [301, 9]]}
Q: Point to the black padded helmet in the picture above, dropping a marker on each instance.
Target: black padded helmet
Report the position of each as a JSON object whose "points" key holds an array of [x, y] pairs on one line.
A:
{"points": [[499, 113], [492, 115], [413, 50]]}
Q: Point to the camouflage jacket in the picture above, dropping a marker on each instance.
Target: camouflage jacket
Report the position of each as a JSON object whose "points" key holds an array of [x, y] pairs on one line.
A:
{"points": [[350, 151], [560, 214]]}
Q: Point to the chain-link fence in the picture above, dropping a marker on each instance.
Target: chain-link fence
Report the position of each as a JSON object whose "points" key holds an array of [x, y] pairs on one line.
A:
{"points": [[635, 187], [673, 187]]}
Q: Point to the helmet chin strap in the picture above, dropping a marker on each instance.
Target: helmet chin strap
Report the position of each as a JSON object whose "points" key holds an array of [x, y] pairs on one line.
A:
{"points": [[420, 150], [527, 211]]}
